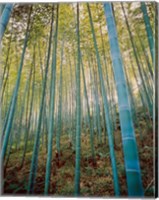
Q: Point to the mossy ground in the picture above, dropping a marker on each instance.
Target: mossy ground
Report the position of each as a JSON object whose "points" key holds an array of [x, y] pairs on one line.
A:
{"points": [[96, 179]]}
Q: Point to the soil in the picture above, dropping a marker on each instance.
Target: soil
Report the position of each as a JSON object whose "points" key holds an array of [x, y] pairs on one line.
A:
{"points": [[96, 175]]}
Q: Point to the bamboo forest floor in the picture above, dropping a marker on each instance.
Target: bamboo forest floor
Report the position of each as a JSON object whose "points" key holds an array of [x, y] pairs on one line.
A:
{"points": [[96, 179]]}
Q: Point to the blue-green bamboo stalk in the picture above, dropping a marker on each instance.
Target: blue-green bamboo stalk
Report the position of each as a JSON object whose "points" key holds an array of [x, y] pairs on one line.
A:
{"points": [[150, 67], [72, 102], [59, 126], [148, 29], [106, 72], [8, 154], [78, 113], [14, 99], [45, 121], [4, 19], [34, 161], [149, 84], [95, 110], [88, 109], [140, 93], [96, 95], [156, 100], [106, 110], [137, 61], [52, 105], [2, 6], [114, 105], [6, 66], [97, 106], [27, 87], [131, 158], [133, 105], [27, 130], [96, 113], [6, 119]]}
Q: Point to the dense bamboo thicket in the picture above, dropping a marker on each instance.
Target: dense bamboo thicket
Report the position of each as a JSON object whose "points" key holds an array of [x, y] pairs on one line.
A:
{"points": [[77, 94]]}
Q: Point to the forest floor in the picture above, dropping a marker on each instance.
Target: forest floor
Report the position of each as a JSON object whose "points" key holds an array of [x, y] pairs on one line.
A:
{"points": [[96, 179]]}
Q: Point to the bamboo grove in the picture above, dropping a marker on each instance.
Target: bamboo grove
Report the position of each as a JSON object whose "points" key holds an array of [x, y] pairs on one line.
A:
{"points": [[77, 93]]}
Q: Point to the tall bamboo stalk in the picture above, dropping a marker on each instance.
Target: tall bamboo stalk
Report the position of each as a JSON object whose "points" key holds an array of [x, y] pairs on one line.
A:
{"points": [[4, 19], [34, 161], [14, 100], [131, 158], [52, 105], [106, 110], [78, 113], [148, 29], [59, 126]]}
